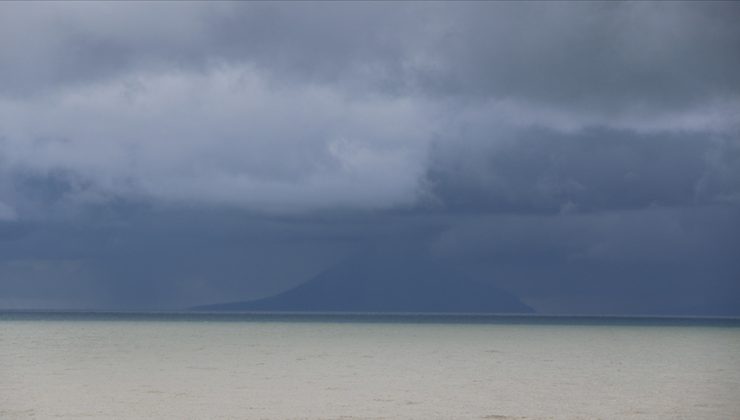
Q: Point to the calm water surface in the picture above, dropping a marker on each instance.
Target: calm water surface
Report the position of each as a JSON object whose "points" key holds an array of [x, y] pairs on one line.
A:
{"points": [[272, 366]]}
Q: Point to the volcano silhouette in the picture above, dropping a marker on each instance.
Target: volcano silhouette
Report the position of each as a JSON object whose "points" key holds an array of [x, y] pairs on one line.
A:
{"points": [[386, 285]]}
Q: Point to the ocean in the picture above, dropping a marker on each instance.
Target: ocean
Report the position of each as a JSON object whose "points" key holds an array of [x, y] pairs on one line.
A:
{"points": [[347, 366]]}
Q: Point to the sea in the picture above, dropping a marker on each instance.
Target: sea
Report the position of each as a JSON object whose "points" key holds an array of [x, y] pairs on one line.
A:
{"points": [[73, 365]]}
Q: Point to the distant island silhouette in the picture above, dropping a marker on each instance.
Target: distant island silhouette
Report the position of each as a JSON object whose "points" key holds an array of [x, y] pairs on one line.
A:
{"points": [[392, 284]]}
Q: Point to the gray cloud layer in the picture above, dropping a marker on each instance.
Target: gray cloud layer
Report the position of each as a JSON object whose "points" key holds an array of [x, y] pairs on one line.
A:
{"points": [[538, 114], [274, 106]]}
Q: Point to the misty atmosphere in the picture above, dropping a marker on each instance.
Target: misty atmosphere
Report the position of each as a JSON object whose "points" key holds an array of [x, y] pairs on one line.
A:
{"points": [[557, 158], [356, 210]]}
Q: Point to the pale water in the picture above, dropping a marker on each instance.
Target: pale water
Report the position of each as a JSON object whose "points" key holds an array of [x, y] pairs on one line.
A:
{"points": [[206, 366]]}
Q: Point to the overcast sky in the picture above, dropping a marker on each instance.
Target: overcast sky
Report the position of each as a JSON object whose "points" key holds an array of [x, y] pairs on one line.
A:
{"points": [[583, 156]]}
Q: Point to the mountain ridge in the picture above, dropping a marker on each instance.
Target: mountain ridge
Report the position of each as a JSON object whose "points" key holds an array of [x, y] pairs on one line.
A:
{"points": [[402, 285]]}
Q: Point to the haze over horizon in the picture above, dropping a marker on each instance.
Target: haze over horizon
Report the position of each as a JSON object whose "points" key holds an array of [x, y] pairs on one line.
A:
{"points": [[584, 157]]}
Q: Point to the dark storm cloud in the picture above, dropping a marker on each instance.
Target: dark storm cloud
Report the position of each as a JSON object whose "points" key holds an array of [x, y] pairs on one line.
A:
{"points": [[594, 53], [367, 88], [173, 258], [595, 169], [77, 43], [158, 155], [604, 55], [659, 260], [11, 231]]}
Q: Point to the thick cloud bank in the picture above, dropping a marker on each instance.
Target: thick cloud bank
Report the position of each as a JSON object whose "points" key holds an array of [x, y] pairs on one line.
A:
{"points": [[343, 117], [295, 107], [224, 137]]}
